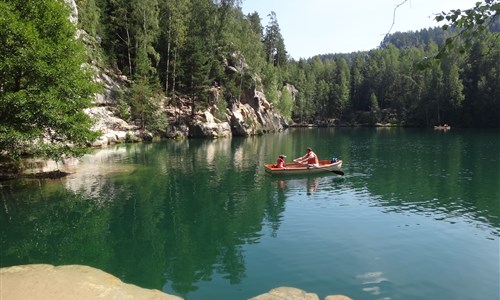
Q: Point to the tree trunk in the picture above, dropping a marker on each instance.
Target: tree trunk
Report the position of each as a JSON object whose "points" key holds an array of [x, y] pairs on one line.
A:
{"points": [[174, 72], [173, 82], [128, 53], [168, 55]]}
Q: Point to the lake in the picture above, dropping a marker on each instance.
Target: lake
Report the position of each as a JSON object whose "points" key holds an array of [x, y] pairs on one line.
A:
{"points": [[416, 216]]}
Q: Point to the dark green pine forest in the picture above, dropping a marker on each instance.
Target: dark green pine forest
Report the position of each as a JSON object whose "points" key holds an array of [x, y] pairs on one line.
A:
{"points": [[172, 49]]}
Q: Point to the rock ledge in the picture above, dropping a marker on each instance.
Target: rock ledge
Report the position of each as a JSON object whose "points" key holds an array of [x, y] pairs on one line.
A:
{"points": [[46, 282], [76, 282]]}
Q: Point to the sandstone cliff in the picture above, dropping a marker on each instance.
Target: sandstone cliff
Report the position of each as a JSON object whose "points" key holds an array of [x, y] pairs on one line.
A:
{"points": [[249, 115], [253, 115]]}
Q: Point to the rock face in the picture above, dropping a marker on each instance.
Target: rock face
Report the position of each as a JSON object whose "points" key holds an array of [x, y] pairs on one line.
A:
{"points": [[246, 120], [239, 119], [254, 115], [73, 17], [114, 130], [207, 127], [46, 282]]}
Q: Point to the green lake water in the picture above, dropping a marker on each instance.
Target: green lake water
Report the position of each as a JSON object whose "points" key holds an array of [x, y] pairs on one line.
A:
{"points": [[416, 216]]}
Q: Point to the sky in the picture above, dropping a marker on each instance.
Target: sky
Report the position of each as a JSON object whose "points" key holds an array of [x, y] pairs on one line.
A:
{"points": [[331, 26]]}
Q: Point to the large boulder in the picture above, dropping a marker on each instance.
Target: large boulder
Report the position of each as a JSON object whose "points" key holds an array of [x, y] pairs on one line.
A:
{"points": [[204, 125], [288, 293], [76, 282], [291, 293], [254, 115], [244, 120]]}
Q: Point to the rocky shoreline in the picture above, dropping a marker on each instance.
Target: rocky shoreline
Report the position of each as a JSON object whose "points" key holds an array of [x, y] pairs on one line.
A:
{"points": [[77, 282]]}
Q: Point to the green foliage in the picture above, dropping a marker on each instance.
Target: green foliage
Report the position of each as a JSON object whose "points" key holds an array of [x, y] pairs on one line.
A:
{"points": [[472, 24], [173, 21], [146, 106], [43, 86], [89, 16], [124, 110], [195, 41], [285, 103], [254, 19], [221, 109], [341, 88], [158, 122], [145, 17], [374, 104], [271, 83], [274, 42], [188, 46], [451, 90]]}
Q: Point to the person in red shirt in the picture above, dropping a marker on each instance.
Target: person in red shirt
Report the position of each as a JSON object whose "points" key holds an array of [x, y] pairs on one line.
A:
{"points": [[280, 163], [310, 158]]}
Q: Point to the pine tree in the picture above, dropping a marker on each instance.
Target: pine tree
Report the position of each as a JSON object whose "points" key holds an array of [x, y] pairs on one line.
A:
{"points": [[341, 88], [274, 43], [145, 20], [356, 83]]}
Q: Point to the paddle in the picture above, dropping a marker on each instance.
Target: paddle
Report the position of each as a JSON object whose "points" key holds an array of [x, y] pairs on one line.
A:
{"points": [[338, 172]]}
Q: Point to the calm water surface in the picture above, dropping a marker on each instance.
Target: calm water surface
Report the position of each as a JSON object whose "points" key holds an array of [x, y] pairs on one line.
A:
{"points": [[417, 216]]}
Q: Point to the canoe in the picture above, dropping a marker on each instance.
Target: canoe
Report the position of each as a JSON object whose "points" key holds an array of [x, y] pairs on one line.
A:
{"points": [[299, 169], [442, 127]]}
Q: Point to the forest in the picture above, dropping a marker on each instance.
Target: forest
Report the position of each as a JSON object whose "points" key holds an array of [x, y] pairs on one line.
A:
{"points": [[172, 49], [179, 45]]}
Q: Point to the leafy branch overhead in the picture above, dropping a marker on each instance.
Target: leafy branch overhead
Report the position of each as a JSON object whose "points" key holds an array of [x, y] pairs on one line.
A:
{"points": [[471, 23]]}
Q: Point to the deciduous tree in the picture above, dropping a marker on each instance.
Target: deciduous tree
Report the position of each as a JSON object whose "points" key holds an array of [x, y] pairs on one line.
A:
{"points": [[44, 82]]}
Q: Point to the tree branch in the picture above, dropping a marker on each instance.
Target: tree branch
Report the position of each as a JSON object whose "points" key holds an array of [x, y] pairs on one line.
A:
{"points": [[394, 16]]}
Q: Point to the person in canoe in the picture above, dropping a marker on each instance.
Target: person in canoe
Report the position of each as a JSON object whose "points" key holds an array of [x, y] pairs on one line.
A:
{"points": [[310, 159], [280, 162]]}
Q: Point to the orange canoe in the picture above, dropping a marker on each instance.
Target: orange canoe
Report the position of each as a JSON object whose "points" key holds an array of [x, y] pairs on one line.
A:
{"points": [[299, 169]]}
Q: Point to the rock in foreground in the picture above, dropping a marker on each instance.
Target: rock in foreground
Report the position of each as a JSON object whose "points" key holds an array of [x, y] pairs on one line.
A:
{"points": [[46, 282], [290, 293], [76, 282]]}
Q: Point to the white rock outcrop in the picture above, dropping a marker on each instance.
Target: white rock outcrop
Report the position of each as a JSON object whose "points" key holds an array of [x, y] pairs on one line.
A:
{"points": [[73, 17]]}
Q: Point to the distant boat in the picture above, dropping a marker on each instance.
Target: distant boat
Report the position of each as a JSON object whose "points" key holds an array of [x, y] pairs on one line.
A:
{"points": [[444, 127], [299, 169]]}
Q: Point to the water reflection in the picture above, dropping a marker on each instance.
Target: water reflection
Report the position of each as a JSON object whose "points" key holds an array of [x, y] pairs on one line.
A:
{"points": [[175, 215], [309, 184], [89, 174], [446, 175], [312, 185], [148, 214]]}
